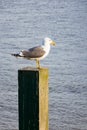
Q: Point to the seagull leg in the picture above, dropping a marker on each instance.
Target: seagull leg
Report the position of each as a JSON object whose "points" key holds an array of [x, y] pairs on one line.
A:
{"points": [[37, 63]]}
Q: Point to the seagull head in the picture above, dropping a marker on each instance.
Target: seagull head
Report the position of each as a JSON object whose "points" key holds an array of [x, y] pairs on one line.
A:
{"points": [[49, 41]]}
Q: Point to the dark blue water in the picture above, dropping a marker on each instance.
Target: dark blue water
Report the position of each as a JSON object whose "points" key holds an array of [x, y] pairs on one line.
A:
{"points": [[24, 24]]}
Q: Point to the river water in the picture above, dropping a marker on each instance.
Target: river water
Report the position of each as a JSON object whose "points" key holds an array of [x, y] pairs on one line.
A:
{"points": [[24, 24]]}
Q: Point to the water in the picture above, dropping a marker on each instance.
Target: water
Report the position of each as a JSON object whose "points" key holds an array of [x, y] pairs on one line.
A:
{"points": [[24, 24]]}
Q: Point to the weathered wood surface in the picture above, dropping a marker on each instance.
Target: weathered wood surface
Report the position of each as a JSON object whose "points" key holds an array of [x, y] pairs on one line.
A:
{"points": [[33, 98]]}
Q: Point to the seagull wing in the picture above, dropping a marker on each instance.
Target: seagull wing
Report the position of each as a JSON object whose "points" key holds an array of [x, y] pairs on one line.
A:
{"points": [[34, 52]]}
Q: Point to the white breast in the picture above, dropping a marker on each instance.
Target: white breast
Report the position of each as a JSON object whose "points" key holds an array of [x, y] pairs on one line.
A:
{"points": [[46, 48]]}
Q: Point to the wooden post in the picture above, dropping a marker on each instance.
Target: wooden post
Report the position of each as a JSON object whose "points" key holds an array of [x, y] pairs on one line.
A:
{"points": [[33, 98]]}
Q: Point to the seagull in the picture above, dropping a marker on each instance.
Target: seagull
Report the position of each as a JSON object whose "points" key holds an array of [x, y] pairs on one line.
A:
{"points": [[37, 53]]}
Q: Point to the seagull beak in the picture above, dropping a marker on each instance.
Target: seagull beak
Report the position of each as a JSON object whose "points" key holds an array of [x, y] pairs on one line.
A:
{"points": [[53, 43]]}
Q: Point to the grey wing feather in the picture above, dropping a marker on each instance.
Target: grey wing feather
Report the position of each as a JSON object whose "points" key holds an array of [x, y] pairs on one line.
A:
{"points": [[35, 52]]}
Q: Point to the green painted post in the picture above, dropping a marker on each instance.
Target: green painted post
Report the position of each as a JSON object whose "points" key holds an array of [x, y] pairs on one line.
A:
{"points": [[33, 98]]}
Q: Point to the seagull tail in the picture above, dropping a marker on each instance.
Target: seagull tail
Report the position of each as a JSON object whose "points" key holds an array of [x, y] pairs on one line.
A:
{"points": [[16, 55]]}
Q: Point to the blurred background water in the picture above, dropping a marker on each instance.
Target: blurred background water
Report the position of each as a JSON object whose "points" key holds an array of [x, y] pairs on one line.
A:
{"points": [[24, 24]]}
